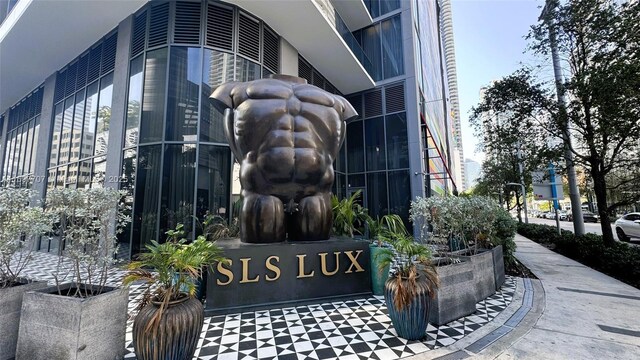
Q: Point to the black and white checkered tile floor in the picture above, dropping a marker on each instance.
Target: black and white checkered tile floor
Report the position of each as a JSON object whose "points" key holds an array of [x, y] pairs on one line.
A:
{"points": [[354, 329]]}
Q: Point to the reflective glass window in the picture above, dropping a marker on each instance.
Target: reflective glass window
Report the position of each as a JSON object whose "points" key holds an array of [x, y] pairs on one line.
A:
{"points": [[98, 172], [214, 165], [400, 194], [178, 180], [34, 141], [377, 194], [397, 141], [19, 152], [375, 144], [355, 147], [76, 133], [184, 89], [247, 70], [134, 102], [67, 126], [90, 121], [71, 180], [356, 180], [392, 56], [104, 114], [145, 224], [155, 78], [371, 47], [84, 174], [217, 69]]}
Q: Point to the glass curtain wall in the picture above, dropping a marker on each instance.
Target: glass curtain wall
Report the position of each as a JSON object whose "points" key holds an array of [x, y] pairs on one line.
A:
{"points": [[378, 152], [177, 165], [82, 116], [21, 140], [382, 43], [432, 96]]}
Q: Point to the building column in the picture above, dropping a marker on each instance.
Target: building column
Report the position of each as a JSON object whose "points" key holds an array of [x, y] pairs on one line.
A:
{"points": [[44, 137], [412, 98], [3, 142], [119, 105], [288, 58]]}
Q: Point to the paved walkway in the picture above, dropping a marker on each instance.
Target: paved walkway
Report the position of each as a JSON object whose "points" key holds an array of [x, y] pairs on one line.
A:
{"points": [[587, 315], [571, 312]]}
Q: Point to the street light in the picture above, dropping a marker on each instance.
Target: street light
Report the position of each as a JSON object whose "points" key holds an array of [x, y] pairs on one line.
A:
{"points": [[524, 200]]}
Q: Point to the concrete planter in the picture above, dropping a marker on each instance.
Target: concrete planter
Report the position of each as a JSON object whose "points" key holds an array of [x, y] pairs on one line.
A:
{"points": [[498, 265], [456, 296], [10, 305], [63, 327], [483, 273]]}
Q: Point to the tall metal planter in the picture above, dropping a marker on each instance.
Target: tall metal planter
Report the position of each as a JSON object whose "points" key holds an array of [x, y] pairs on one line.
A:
{"points": [[176, 335], [411, 321]]}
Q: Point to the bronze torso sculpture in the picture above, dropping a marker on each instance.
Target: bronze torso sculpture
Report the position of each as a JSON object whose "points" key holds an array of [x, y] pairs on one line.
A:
{"points": [[286, 134]]}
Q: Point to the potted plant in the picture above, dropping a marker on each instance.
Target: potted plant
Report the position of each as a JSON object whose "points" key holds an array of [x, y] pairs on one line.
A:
{"points": [[170, 317], [84, 318], [412, 283], [20, 225], [348, 215], [379, 230]]}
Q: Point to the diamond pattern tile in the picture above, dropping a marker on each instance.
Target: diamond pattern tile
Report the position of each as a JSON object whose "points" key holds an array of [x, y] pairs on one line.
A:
{"points": [[354, 329]]}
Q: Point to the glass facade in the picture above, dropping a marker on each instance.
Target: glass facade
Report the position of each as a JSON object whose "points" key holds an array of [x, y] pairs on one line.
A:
{"points": [[82, 115], [382, 44], [23, 125], [437, 125], [175, 162], [378, 152]]}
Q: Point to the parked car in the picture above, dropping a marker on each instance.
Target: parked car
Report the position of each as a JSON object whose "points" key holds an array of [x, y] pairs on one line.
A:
{"points": [[562, 215], [550, 215], [628, 226], [587, 216]]}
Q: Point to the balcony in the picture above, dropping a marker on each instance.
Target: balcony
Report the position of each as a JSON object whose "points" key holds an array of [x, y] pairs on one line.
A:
{"points": [[354, 12], [318, 33], [38, 38]]}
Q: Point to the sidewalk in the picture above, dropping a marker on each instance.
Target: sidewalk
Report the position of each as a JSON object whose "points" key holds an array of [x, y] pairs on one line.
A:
{"points": [[587, 315]]}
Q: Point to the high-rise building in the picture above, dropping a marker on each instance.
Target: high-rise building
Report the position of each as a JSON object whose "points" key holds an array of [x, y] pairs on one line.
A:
{"points": [[116, 95], [473, 169], [452, 81]]}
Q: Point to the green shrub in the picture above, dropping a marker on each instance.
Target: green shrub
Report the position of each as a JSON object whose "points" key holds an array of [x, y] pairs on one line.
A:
{"points": [[543, 234], [504, 230], [620, 261]]}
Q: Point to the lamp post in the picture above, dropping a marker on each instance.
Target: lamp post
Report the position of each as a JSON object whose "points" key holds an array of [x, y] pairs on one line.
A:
{"points": [[524, 199]]}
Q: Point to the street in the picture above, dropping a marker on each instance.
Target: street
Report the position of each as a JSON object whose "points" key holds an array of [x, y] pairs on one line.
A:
{"points": [[588, 227]]}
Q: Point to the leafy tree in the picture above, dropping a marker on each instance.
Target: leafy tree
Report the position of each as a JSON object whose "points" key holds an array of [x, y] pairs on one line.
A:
{"points": [[599, 41], [507, 119]]}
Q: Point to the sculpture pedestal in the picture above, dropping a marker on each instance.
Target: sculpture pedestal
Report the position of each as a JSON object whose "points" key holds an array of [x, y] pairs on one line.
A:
{"points": [[280, 274]]}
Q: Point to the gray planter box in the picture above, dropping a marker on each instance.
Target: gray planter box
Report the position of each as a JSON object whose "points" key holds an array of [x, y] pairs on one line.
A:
{"points": [[456, 296], [484, 279], [498, 266], [63, 327], [10, 305]]}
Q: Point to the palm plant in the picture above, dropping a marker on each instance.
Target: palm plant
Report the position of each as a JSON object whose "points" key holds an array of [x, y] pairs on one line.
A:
{"points": [[347, 214], [409, 262], [171, 270], [385, 227]]}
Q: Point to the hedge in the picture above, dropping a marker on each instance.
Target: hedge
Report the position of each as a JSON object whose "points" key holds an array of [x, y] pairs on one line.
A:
{"points": [[620, 261]]}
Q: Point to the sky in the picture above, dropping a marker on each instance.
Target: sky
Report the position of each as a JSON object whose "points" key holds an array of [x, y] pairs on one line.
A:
{"points": [[489, 42]]}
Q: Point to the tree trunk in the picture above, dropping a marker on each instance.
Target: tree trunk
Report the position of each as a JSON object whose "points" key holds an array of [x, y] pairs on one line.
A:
{"points": [[600, 190], [519, 208]]}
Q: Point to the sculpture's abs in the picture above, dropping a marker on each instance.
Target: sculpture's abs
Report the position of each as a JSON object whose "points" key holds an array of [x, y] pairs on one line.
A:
{"points": [[286, 135]]}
